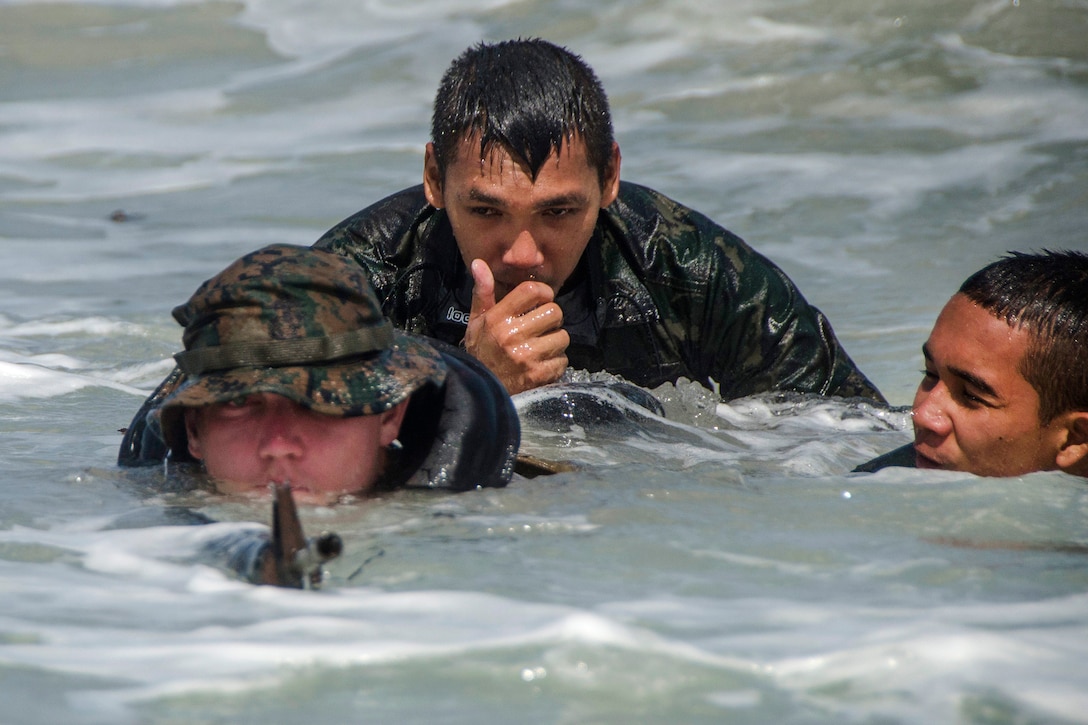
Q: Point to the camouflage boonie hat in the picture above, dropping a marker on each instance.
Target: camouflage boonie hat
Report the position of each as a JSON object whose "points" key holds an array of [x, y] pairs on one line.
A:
{"points": [[299, 322]]}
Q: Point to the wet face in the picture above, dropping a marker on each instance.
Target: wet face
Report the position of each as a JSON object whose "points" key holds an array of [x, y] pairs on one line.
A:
{"points": [[253, 441], [523, 229], [974, 411]]}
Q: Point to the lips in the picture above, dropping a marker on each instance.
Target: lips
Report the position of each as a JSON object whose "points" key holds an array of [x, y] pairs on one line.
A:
{"points": [[296, 486], [923, 461], [302, 493]]}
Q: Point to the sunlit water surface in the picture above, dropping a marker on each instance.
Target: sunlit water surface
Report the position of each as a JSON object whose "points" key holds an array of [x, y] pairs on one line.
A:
{"points": [[717, 565]]}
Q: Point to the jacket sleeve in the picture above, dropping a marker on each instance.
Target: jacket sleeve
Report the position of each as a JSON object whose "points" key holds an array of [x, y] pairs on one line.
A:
{"points": [[379, 237], [764, 335], [902, 457], [735, 318], [408, 251]]}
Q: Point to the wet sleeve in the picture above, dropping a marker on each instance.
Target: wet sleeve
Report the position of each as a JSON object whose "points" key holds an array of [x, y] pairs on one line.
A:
{"points": [[143, 443], [764, 336], [902, 457], [381, 236]]}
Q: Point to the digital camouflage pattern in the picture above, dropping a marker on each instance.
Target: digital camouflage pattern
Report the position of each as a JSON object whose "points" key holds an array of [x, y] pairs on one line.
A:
{"points": [[662, 293], [298, 322]]}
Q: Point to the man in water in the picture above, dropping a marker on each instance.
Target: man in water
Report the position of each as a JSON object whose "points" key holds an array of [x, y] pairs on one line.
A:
{"points": [[1005, 388], [291, 375], [523, 246]]}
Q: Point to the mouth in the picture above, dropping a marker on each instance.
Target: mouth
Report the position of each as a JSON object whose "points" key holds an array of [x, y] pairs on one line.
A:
{"points": [[515, 277], [298, 489], [923, 461], [308, 495], [268, 488]]}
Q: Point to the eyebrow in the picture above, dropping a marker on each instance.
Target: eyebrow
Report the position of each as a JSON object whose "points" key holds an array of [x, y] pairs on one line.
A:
{"points": [[967, 376], [573, 199]]}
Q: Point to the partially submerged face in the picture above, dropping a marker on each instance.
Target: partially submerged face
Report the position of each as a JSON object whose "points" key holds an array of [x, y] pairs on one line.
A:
{"points": [[524, 228], [291, 374], [974, 410], [256, 440]]}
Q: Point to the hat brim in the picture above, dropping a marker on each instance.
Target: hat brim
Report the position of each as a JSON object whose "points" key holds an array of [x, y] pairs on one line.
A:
{"points": [[359, 386]]}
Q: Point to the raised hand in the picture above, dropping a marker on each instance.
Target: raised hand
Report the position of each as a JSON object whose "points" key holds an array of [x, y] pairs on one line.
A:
{"points": [[520, 338]]}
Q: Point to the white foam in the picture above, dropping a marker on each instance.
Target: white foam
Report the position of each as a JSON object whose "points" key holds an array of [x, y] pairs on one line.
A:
{"points": [[89, 326], [23, 380]]}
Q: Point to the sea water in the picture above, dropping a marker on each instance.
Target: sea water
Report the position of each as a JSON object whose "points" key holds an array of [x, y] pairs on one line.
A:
{"points": [[720, 564]]}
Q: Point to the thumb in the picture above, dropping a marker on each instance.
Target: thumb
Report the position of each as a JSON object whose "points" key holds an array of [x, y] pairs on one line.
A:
{"points": [[483, 291]]}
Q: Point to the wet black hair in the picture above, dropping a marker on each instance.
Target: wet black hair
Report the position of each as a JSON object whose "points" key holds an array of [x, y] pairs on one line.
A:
{"points": [[527, 96], [1046, 294]]}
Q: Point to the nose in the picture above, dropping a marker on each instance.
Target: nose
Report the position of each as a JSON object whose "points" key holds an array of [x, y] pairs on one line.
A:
{"points": [[280, 432], [929, 410], [524, 253]]}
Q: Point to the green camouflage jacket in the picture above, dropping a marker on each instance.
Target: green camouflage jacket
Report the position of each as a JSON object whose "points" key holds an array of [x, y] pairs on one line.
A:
{"points": [[661, 293]]}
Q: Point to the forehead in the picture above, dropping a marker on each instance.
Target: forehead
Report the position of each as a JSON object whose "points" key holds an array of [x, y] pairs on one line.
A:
{"points": [[968, 337]]}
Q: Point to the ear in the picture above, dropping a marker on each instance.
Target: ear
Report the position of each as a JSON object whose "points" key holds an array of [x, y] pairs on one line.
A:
{"points": [[432, 179], [192, 433], [1073, 454], [610, 189], [391, 420]]}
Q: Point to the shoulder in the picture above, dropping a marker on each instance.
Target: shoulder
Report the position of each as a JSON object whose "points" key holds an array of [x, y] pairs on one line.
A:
{"points": [[662, 214], [143, 443], [902, 457], [383, 222], [643, 212], [659, 234], [437, 453]]}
